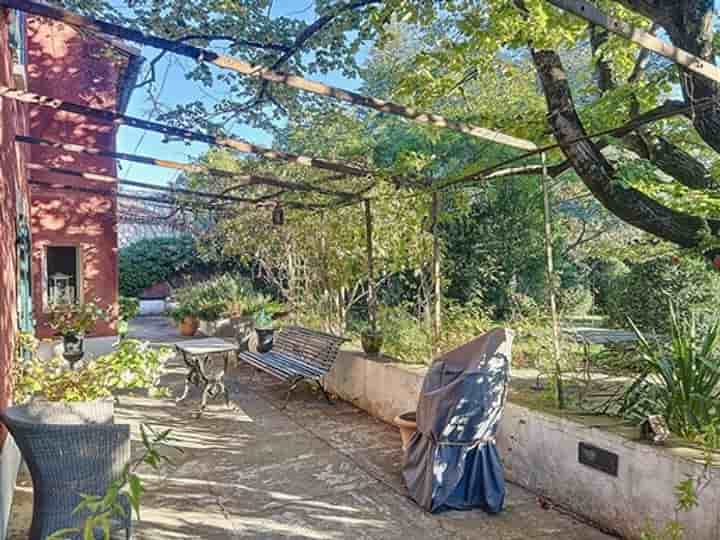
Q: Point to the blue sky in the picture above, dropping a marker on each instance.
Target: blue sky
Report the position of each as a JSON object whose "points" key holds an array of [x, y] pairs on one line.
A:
{"points": [[176, 89]]}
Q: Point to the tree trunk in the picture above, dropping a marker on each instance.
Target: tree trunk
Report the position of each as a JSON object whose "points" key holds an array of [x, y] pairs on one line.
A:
{"points": [[597, 173]]}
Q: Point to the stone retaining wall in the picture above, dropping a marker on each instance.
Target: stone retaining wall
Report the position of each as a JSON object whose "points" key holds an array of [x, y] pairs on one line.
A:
{"points": [[540, 452]]}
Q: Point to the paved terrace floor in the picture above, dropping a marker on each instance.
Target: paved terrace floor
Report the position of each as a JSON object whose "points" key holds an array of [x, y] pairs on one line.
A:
{"points": [[309, 471]]}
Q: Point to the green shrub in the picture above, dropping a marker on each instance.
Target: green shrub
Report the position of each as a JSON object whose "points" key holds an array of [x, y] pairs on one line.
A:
{"points": [[134, 365], [129, 308], [606, 276], [154, 260], [409, 338], [680, 380], [222, 296], [643, 293], [575, 301]]}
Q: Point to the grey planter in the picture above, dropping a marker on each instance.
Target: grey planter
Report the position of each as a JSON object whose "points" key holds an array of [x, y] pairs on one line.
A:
{"points": [[9, 466], [70, 449]]}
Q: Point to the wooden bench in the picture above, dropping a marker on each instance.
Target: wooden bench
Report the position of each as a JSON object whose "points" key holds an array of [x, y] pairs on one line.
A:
{"points": [[298, 354]]}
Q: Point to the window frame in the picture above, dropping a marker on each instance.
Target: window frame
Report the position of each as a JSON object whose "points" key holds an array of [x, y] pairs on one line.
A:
{"points": [[79, 279]]}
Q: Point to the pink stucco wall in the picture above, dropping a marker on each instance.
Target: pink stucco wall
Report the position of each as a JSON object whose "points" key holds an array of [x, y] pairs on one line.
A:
{"points": [[12, 188], [85, 70]]}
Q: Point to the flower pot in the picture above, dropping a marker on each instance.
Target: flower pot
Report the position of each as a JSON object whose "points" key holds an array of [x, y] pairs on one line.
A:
{"points": [[189, 326], [265, 339], [73, 347], [371, 342], [407, 422]]}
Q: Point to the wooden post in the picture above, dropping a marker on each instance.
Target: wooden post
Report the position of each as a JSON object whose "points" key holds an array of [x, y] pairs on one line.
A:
{"points": [[436, 284], [550, 271], [371, 301]]}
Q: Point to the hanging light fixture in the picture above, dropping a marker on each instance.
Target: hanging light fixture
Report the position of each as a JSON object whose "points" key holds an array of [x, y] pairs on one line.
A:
{"points": [[278, 215]]}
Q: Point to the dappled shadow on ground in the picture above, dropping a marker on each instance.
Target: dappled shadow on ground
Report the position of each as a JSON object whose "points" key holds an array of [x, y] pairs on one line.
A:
{"points": [[309, 471]]}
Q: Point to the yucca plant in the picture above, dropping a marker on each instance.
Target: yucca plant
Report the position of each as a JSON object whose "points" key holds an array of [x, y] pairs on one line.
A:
{"points": [[679, 378]]}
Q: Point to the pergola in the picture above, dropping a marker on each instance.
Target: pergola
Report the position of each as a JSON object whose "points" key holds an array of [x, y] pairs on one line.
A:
{"points": [[163, 203]]}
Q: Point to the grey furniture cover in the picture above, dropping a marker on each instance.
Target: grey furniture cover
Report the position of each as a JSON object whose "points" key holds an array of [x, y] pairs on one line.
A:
{"points": [[451, 461]]}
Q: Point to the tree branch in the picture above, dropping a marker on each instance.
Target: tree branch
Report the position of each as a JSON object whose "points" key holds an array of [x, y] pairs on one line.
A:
{"points": [[315, 27], [630, 205]]}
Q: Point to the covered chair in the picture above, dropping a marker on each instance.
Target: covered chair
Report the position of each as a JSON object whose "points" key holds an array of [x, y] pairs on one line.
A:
{"points": [[71, 449], [451, 461]]}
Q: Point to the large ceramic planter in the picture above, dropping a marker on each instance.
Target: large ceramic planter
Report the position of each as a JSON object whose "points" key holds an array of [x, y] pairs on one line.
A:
{"points": [[189, 326], [407, 423], [371, 342], [265, 339], [73, 349], [9, 466]]}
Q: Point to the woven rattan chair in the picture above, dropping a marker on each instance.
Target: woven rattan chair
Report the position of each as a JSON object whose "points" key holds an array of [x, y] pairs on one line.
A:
{"points": [[70, 449]]}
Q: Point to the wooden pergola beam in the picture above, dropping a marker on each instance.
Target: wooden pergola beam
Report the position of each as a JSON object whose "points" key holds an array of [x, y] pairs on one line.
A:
{"points": [[124, 182], [259, 201], [243, 180], [640, 37], [234, 64], [94, 191], [186, 134]]}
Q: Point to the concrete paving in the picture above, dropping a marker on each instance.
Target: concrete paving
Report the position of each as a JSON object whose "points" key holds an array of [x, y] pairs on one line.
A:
{"points": [[309, 471]]}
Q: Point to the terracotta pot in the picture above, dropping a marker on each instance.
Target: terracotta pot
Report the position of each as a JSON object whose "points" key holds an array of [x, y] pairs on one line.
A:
{"points": [[188, 326], [408, 425]]}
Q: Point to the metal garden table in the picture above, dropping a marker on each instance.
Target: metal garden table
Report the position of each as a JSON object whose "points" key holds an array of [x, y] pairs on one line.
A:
{"points": [[200, 357]]}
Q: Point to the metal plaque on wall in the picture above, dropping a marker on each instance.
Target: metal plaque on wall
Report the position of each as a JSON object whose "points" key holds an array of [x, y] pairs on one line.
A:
{"points": [[598, 458]]}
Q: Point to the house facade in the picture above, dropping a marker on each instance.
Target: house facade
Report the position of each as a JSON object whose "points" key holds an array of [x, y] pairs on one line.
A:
{"points": [[57, 242], [74, 233]]}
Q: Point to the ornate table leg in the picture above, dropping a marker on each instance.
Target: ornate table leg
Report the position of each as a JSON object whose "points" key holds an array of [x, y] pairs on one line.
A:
{"points": [[190, 377], [228, 404]]}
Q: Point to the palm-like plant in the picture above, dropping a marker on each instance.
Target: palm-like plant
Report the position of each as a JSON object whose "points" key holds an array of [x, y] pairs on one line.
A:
{"points": [[680, 378]]}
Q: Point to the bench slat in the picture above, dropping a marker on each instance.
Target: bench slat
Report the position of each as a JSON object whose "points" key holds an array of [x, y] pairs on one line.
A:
{"points": [[297, 352], [286, 364], [281, 370], [296, 361]]}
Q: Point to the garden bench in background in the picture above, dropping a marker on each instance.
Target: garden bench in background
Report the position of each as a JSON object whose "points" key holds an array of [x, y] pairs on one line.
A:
{"points": [[298, 354]]}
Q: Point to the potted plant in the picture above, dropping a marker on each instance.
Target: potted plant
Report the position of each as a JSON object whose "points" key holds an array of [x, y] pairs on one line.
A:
{"points": [[129, 309], [371, 339], [187, 319], [407, 424], [69, 397], [72, 322], [264, 330]]}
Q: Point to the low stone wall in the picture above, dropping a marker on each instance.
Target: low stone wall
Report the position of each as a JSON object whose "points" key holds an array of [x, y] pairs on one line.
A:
{"points": [[153, 307], [381, 387], [540, 452], [227, 327]]}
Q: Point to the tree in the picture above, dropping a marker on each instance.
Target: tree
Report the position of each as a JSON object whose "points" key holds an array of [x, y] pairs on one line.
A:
{"points": [[625, 87]]}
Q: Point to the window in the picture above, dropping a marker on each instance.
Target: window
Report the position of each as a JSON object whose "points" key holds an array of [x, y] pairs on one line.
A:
{"points": [[62, 275]]}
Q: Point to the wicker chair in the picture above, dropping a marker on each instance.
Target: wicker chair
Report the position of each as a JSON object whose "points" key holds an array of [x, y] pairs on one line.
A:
{"points": [[70, 449]]}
